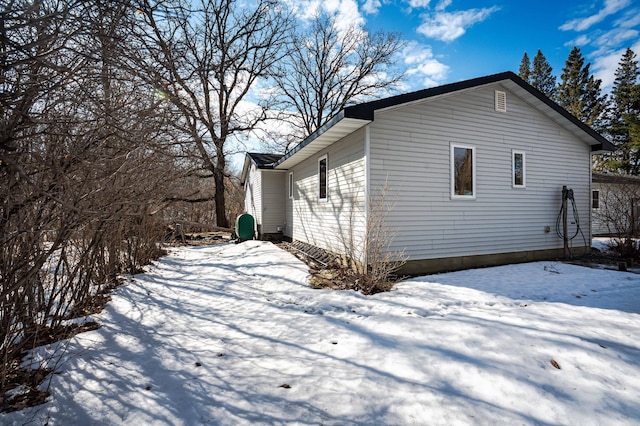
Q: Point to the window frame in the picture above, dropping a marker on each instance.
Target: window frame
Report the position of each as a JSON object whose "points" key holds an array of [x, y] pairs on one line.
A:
{"points": [[452, 174], [326, 179], [515, 185], [290, 184], [595, 201]]}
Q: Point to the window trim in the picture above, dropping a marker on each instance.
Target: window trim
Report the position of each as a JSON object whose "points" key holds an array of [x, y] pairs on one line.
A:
{"points": [[452, 177], [290, 182], [595, 201], [514, 185], [326, 179]]}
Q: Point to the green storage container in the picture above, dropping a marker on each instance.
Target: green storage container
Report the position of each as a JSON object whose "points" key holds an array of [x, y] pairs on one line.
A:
{"points": [[245, 227]]}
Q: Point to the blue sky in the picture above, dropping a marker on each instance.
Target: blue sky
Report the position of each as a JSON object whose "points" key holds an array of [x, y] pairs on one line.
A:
{"points": [[453, 40]]}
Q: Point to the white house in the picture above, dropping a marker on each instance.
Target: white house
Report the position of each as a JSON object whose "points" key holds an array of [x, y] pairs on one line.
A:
{"points": [[475, 170], [615, 204], [264, 194]]}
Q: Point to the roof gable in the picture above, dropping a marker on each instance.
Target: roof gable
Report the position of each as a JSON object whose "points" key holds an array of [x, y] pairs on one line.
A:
{"points": [[356, 116], [264, 161], [261, 161]]}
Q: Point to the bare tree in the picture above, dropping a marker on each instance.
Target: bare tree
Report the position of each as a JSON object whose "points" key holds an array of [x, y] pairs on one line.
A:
{"points": [[328, 67], [205, 57], [194, 208], [84, 161]]}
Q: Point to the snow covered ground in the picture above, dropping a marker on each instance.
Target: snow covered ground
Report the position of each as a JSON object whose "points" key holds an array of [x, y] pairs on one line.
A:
{"points": [[233, 335]]}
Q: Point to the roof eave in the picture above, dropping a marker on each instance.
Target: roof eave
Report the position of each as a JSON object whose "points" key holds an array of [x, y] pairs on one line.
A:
{"points": [[245, 168], [335, 129]]}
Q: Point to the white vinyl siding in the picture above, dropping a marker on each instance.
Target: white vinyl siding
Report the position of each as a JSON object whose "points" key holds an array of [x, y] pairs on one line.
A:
{"points": [[410, 149], [253, 193], [338, 220], [273, 201], [610, 196], [600, 224], [265, 199]]}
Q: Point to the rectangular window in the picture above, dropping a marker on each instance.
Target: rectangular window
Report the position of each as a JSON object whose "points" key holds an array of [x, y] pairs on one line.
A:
{"points": [[322, 178], [463, 172], [291, 185], [595, 199], [519, 169]]}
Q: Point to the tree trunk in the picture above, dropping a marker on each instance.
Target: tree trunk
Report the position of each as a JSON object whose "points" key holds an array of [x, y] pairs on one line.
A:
{"points": [[218, 177]]}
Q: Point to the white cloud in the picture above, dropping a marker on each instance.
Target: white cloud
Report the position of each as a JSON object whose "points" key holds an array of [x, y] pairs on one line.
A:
{"points": [[449, 26], [304, 9], [605, 44], [346, 11], [443, 4], [371, 6], [419, 3], [423, 66], [605, 66], [581, 24], [348, 14], [631, 18], [615, 37], [582, 40]]}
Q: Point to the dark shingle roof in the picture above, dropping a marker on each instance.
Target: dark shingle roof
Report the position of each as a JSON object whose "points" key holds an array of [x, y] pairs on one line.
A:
{"points": [[366, 111], [613, 178], [264, 161]]}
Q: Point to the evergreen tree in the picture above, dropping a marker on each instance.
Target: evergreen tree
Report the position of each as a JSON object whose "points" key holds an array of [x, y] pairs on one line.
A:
{"points": [[579, 92], [624, 117], [525, 68], [541, 77]]}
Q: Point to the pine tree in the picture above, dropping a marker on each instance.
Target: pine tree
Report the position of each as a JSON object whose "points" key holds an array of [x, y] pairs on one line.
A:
{"points": [[541, 77], [579, 92], [525, 68], [624, 117]]}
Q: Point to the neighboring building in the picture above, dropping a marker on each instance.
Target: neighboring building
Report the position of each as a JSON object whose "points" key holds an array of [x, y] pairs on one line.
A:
{"points": [[475, 170], [615, 205]]}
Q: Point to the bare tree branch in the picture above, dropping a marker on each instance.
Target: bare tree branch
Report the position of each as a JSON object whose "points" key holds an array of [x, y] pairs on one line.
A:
{"points": [[329, 68], [206, 57]]}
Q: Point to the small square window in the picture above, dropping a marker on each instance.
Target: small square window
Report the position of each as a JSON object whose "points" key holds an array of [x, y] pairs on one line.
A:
{"points": [[463, 172], [519, 168], [322, 177], [595, 199]]}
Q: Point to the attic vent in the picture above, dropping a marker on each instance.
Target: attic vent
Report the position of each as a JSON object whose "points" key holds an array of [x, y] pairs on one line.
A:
{"points": [[501, 101]]}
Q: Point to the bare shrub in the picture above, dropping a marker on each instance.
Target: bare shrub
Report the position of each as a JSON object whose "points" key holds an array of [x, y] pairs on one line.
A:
{"points": [[367, 246], [382, 262]]}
